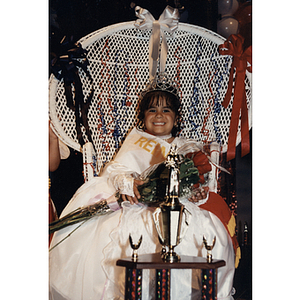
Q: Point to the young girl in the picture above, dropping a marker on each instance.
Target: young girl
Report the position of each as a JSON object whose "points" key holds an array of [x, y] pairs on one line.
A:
{"points": [[84, 265]]}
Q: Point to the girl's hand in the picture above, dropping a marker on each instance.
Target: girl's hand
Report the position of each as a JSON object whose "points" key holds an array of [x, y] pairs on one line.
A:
{"points": [[199, 194], [136, 192]]}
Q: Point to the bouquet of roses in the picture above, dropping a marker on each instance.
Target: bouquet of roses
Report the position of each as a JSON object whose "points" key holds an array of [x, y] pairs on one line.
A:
{"points": [[152, 193], [154, 189]]}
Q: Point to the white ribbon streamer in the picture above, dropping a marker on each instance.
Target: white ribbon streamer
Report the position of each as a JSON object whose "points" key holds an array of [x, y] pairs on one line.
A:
{"points": [[167, 21]]}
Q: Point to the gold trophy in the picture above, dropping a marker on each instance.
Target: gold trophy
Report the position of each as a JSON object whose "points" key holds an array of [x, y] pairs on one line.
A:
{"points": [[209, 248], [170, 226], [135, 247]]}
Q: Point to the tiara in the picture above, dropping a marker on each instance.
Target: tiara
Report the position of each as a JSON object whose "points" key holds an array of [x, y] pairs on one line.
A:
{"points": [[162, 82]]}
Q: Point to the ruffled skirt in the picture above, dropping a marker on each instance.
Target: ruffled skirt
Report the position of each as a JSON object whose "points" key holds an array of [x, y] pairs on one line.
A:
{"points": [[84, 267]]}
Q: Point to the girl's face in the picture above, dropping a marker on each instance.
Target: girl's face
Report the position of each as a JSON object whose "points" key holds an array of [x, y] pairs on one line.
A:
{"points": [[159, 118]]}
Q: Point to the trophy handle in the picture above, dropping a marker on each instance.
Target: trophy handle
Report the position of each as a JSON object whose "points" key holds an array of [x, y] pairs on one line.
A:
{"points": [[186, 223], [156, 222]]}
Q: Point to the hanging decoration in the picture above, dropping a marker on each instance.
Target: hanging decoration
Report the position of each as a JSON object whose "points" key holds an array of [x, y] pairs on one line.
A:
{"points": [[242, 61], [168, 21], [65, 66]]}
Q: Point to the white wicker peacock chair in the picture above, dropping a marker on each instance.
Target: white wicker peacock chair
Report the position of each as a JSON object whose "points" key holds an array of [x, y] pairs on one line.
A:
{"points": [[118, 70]]}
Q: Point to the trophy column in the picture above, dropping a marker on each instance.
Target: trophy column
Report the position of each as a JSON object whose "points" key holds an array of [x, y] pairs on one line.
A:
{"points": [[163, 277], [133, 284], [209, 284], [209, 271]]}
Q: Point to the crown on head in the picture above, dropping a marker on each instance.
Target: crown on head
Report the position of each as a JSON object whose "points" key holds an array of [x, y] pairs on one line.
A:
{"points": [[162, 82]]}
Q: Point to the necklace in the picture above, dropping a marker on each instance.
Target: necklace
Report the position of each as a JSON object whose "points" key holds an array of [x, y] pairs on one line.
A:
{"points": [[166, 137]]}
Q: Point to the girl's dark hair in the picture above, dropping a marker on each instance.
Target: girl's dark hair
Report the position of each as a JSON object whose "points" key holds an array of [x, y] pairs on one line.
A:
{"points": [[152, 98]]}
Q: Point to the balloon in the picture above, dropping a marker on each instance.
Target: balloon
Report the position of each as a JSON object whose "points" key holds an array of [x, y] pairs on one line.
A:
{"points": [[224, 6], [234, 7], [227, 26]]}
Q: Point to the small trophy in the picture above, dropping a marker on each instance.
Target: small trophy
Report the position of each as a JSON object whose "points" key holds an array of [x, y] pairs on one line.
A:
{"points": [[209, 248], [135, 247], [171, 211]]}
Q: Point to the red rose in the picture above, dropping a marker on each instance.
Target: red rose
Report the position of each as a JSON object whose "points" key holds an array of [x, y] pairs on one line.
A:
{"points": [[201, 162]]}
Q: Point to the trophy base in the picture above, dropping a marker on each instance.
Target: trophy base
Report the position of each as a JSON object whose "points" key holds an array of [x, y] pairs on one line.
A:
{"points": [[171, 257]]}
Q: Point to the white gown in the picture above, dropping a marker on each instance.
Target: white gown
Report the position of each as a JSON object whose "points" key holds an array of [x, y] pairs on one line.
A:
{"points": [[84, 267]]}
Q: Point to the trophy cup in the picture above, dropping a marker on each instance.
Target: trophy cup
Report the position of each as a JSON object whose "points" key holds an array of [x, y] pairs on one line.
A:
{"points": [[171, 211], [209, 248], [135, 247]]}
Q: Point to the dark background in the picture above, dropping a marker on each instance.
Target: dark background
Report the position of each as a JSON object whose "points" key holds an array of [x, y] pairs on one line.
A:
{"points": [[77, 18], [81, 17]]}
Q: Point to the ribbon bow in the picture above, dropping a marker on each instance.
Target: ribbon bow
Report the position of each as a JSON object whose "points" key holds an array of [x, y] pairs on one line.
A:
{"points": [[234, 46], [65, 64], [168, 21]]}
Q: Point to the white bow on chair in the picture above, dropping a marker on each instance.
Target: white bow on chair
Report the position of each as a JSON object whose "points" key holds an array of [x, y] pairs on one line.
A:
{"points": [[168, 21]]}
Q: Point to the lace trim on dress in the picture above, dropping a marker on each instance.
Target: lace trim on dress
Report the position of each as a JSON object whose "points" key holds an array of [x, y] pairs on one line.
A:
{"points": [[124, 184]]}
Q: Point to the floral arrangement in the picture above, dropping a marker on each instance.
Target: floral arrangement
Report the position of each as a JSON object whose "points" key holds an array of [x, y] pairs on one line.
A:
{"points": [[152, 193], [154, 189], [80, 214]]}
